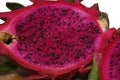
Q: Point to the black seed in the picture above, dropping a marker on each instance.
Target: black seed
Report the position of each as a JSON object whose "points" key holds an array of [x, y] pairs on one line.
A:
{"points": [[91, 23], [78, 25], [42, 22], [52, 54], [81, 20], [77, 16], [74, 21], [59, 24], [47, 62], [28, 56], [61, 64], [78, 30], [35, 62], [118, 69], [111, 68], [73, 13], [38, 49], [69, 24], [110, 73], [58, 19]]}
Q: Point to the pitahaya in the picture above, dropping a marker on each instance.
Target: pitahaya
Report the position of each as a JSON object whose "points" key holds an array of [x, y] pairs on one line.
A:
{"points": [[109, 66], [51, 37]]}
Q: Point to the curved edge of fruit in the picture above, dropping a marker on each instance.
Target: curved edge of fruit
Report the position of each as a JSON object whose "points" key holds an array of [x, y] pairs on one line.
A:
{"points": [[39, 1], [106, 37], [112, 39], [104, 58], [101, 52], [94, 10]]}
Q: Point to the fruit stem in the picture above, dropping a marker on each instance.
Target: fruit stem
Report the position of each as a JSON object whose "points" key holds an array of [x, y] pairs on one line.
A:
{"points": [[6, 37]]}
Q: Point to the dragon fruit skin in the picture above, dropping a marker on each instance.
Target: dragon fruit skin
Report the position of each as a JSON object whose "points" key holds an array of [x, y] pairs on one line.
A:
{"points": [[107, 39], [15, 18]]}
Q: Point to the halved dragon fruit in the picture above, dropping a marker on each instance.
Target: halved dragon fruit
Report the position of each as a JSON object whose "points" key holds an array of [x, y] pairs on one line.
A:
{"points": [[110, 61], [51, 37]]}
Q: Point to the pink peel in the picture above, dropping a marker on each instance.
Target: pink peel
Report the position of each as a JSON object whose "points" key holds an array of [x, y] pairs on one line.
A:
{"points": [[105, 39]]}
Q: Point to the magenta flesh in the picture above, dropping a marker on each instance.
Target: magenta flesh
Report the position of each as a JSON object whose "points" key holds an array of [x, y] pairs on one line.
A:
{"points": [[114, 64], [56, 37], [111, 62]]}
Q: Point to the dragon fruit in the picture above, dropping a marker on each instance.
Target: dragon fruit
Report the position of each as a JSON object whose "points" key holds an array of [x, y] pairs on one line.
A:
{"points": [[109, 64], [51, 38]]}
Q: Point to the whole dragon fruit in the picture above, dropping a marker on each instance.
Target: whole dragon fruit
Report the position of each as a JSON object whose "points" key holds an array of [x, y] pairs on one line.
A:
{"points": [[51, 37]]}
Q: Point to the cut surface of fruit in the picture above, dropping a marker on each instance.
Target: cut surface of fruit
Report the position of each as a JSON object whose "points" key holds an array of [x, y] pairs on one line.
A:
{"points": [[110, 64], [57, 37], [52, 37]]}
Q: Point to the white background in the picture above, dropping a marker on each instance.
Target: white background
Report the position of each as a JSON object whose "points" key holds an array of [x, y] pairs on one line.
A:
{"points": [[112, 7]]}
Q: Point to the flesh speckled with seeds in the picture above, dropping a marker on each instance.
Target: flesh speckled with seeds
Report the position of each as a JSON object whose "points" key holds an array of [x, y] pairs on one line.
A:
{"points": [[114, 63], [55, 36]]}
